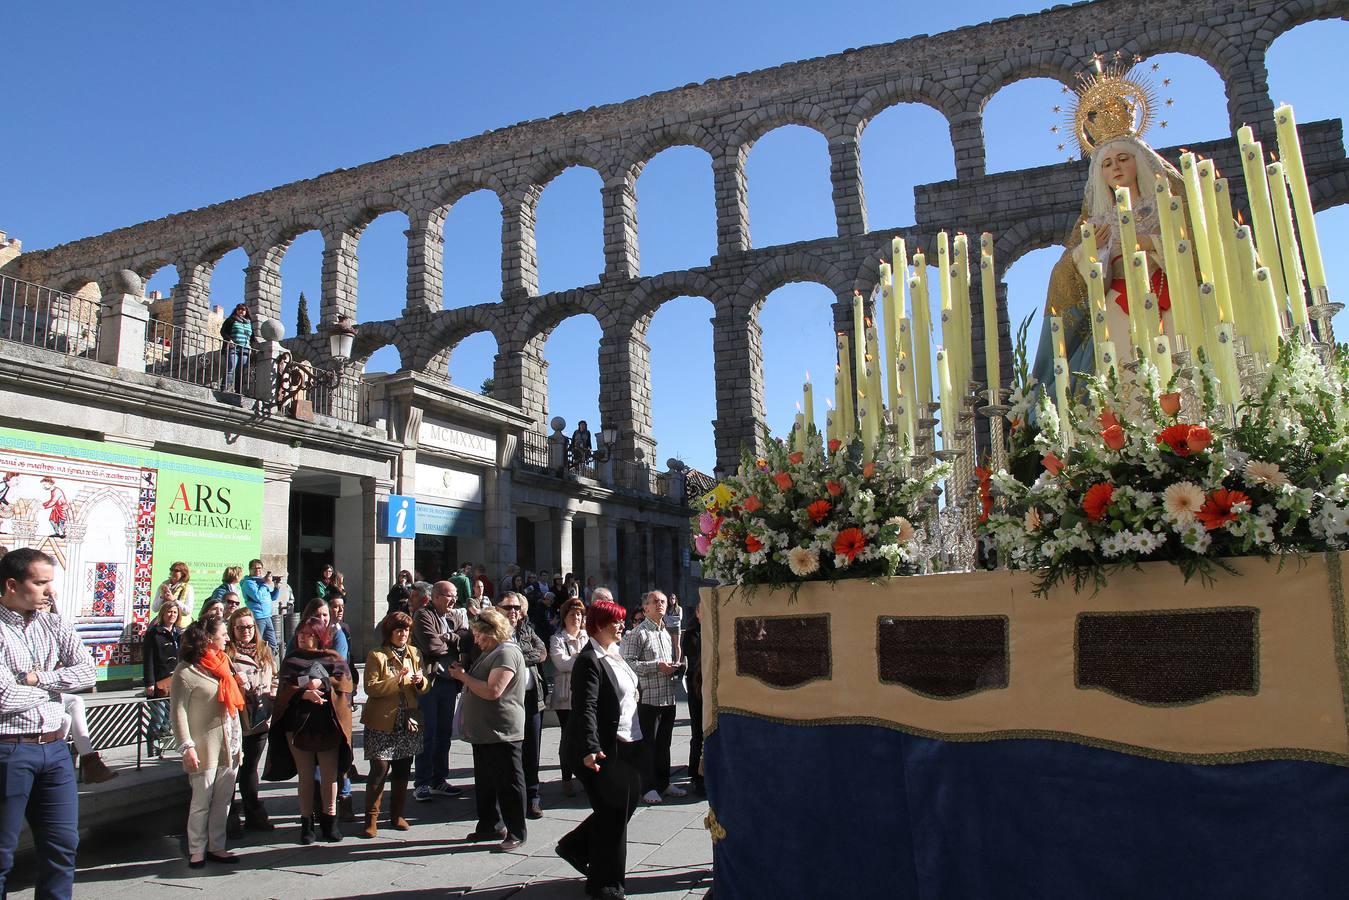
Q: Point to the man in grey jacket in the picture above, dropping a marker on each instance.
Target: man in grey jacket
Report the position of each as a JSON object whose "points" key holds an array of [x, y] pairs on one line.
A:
{"points": [[435, 635]]}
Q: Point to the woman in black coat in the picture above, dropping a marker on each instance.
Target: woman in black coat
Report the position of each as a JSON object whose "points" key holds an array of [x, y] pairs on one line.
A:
{"points": [[159, 657], [603, 745]]}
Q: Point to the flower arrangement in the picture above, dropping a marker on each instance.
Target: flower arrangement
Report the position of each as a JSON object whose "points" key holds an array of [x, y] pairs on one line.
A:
{"points": [[1134, 479], [820, 513]]}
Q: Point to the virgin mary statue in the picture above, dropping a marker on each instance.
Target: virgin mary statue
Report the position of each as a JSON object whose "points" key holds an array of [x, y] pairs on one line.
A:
{"points": [[1119, 159]]}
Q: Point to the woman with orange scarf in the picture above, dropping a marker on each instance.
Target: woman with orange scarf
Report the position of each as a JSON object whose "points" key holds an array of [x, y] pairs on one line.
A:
{"points": [[206, 699]]}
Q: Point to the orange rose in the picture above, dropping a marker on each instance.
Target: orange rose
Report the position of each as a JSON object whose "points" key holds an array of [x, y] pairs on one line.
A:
{"points": [[819, 510], [752, 504], [795, 458], [1052, 463], [1097, 500], [753, 544], [1199, 438], [1185, 439], [849, 543], [783, 481], [1170, 403], [868, 469], [1108, 420], [834, 488], [1114, 437]]}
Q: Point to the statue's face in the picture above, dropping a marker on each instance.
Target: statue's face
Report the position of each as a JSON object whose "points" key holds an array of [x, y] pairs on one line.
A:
{"points": [[1120, 169]]}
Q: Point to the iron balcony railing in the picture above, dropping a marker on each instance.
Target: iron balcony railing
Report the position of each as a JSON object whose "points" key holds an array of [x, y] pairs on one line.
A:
{"points": [[195, 357], [41, 317]]}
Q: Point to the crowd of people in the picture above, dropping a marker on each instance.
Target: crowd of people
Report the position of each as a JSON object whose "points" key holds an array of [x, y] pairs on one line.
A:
{"points": [[460, 658]]}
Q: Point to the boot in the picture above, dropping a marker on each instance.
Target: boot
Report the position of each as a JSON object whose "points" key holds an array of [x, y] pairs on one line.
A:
{"points": [[345, 812], [328, 825], [93, 770], [397, 800], [306, 829], [234, 826], [256, 819], [372, 799]]}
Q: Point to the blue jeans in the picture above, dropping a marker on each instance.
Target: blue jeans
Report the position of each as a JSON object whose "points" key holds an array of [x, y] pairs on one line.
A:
{"points": [[437, 708], [236, 364], [38, 780], [267, 631]]}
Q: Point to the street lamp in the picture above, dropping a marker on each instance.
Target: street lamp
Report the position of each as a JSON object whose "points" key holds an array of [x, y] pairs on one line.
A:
{"points": [[608, 441], [294, 378], [341, 334]]}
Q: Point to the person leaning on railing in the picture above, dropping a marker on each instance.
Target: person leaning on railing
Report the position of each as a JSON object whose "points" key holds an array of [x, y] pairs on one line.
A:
{"points": [[237, 332], [393, 722], [159, 658]]}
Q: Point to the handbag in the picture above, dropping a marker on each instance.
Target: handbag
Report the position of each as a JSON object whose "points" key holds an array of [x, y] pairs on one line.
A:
{"points": [[257, 710]]}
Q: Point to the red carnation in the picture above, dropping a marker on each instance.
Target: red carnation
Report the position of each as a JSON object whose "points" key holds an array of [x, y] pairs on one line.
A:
{"points": [[849, 543], [834, 444], [819, 510], [1097, 500]]}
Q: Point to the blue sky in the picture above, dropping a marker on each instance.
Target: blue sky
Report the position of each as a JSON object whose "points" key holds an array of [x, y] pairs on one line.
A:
{"points": [[117, 117]]}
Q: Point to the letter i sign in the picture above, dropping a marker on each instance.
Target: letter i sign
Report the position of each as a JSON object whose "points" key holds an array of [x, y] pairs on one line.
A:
{"points": [[400, 520]]}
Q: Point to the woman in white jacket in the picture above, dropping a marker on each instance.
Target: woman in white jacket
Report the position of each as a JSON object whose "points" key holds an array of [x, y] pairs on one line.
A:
{"points": [[562, 649]]}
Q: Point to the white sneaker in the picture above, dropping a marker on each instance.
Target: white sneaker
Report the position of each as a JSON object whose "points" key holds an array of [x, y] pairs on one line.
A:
{"points": [[651, 797], [675, 790]]}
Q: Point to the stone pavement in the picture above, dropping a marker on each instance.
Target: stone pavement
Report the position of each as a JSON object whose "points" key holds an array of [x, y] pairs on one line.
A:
{"points": [[669, 851]]}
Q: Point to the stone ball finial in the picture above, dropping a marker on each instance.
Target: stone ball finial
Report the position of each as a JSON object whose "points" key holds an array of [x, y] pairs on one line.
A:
{"points": [[126, 282], [271, 329], [558, 423]]}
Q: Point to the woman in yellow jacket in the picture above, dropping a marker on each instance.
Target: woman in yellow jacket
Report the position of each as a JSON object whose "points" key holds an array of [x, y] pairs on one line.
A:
{"points": [[393, 735]]}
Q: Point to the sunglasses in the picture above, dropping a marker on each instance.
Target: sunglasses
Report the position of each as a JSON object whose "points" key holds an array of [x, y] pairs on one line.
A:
{"points": [[509, 608]]}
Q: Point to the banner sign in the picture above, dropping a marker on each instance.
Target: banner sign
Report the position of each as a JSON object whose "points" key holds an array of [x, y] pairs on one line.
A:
{"points": [[115, 519]]}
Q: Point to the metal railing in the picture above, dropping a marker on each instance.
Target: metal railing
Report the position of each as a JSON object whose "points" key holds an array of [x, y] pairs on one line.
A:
{"points": [[533, 451], [140, 722], [41, 317], [192, 356], [346, 401]]}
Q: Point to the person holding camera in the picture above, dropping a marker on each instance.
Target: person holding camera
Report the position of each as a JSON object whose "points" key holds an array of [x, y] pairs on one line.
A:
{"points": [[259, 592], [650, 652], [393, 723], [437, 640]]}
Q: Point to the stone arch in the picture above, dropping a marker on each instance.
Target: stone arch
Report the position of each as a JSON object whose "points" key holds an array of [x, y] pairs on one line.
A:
{"points": [[284, 232], [451, 326], [797, 265], [1059, 65], [1330, 190], [374, 336], [680, 134], [209, 252], [453, 188], [354, 218], [147, 265], [542, 315], [653, 293], [1031, 234], [908, 89], [768, 118], [555, 163], [1193, 40], [74, 282], [1290, 14]]}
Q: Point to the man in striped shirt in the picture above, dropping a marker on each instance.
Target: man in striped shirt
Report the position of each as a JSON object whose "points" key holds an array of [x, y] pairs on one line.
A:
{"points": [[650, 652], [40, 657]]}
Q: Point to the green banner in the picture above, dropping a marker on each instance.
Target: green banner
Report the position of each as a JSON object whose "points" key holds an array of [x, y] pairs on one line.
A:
{"points": [[115, 519]]}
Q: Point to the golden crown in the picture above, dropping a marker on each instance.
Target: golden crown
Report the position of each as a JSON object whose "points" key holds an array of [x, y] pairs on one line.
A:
{"points": [[1111, 100]]}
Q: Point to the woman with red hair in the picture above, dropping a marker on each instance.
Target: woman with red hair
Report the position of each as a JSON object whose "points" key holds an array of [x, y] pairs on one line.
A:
{"points": [[603, 745]]}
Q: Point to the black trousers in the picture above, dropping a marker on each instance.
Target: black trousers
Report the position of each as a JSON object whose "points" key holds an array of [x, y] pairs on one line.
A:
{"points": [[532, 743], [696, 734], [562, 716], [602, 838], [657, 731], [255, 745], [499, 787]]}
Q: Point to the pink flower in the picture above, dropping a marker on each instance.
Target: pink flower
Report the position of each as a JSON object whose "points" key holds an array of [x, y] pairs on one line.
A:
{"points": [[703, 544], [707, 523]]}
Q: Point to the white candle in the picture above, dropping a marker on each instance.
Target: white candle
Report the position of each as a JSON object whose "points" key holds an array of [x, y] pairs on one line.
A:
{"points": [[1214, 238], [922, 335], [1290, 149], [1262, 213], [1270, 314], [1283, 221], [988, 285], [1225, 362]]}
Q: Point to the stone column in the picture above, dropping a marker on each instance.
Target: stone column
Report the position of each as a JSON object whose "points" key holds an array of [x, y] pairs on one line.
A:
{"points": [[606, 568], [275, 554], [521, 379], [545, 546], [339, 279], [625, 390], [646, 567], [192, 296], [732, 197], [499, 506], [262, 284], [622, 254], [845, 173], [122, 316], [426, 263], [737, 345], [562, 520], [1248, 98], [378, 574], [519, 256], [593, 549], [967, 137]]}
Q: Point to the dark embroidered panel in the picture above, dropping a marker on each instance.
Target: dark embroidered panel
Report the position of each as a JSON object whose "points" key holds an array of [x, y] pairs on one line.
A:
{"points": [[1169, 657], [943, 656], [783, 651]]}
